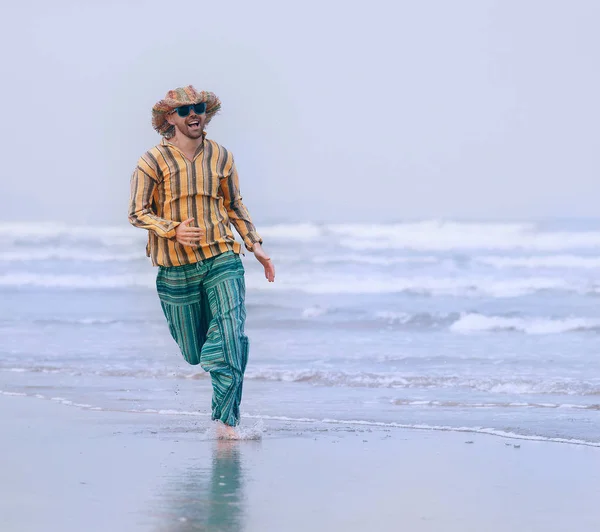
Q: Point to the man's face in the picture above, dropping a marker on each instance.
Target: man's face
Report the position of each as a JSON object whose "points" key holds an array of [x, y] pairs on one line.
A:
{"points": [[190, 126]]}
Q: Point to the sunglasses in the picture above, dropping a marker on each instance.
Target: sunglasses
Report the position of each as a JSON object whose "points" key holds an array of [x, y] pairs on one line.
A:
{"points": [[184, 110]]}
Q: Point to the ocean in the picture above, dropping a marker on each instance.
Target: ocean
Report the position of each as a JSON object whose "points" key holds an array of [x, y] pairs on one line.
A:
{"points": [[439, 325]]}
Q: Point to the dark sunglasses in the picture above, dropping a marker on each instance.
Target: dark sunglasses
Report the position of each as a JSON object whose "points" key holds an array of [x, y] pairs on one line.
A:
{"points": [[184, 110]]}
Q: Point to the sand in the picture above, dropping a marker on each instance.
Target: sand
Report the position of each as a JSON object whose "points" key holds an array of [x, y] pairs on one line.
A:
{"points": [[64, 469]]}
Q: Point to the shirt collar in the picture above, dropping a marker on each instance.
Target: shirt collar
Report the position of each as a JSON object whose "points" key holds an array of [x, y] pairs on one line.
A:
{"points": [[165, 142]]}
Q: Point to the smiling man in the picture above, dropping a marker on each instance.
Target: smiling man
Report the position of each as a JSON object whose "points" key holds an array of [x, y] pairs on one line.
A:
{"points": [[185, 192]]}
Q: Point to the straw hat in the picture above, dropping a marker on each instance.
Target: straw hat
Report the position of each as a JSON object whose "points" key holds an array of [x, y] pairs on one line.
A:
{"points": [[182, 96]]}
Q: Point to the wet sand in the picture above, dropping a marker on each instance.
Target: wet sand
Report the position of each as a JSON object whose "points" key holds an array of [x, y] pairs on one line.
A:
{"points": [[69, 469]]}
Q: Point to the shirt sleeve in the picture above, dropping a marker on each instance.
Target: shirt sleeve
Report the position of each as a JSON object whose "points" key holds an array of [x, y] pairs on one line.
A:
{"points": [[141, 205], [236, 210]]}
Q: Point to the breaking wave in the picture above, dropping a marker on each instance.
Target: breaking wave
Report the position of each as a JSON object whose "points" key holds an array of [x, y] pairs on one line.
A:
{"points": [[326, 284], [358, 379], [427, 235]]}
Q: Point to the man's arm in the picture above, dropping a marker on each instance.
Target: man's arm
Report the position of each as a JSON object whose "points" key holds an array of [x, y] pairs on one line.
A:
{"points": [[141, 214], [236, 210], [239, 216]]}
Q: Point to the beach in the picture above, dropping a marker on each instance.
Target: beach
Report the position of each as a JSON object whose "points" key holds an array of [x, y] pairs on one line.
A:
{"points": [[67, 468], [427, 355], [414, 376]]}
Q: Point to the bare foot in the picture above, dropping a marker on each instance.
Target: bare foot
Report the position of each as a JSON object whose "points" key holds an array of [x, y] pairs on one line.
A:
{"points": [[226, 432]]}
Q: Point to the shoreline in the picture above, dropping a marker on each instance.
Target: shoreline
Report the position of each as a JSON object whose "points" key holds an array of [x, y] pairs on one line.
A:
{"points": [[325, 421], [70, 469]]}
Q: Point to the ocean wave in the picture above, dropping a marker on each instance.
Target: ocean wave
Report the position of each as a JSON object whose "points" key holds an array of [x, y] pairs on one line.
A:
{"points": [[427, 235], [35, 234], [500, 262], [448, 236], [456, 322], [327, 284], [299, 232], [462, 322], [495, 404], [473, 323], [540, 261], [124, 254], [76, 321], [314, 312], [423, 286], [79, 321], [419, 320], [374, 260], [85, 282], [437, 235], [513, 435], [514, 386], [77, 255]]}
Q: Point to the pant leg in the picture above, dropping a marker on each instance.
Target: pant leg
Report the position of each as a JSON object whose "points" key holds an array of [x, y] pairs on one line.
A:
{"points": [[225, 352], [185, 307]]}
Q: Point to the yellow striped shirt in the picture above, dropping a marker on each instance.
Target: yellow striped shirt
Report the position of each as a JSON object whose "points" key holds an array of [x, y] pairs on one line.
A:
{"points": [[167, 188]]}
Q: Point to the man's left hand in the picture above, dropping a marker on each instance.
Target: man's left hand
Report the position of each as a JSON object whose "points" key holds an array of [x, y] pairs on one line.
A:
{"points": [[268, 265]]}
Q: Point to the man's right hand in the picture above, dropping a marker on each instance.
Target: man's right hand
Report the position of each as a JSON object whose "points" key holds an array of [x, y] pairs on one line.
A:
{"points": [[187, 235]]}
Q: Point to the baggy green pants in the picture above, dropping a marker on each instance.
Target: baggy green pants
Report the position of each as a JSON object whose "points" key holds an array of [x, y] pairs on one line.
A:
{"points": [[204, 307]]}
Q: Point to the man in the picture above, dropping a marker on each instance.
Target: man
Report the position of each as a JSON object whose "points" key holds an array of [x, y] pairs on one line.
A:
{"points": [[185, 192]]}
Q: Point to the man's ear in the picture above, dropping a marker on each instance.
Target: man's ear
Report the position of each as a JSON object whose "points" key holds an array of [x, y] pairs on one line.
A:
{"points": [[169, 118]]}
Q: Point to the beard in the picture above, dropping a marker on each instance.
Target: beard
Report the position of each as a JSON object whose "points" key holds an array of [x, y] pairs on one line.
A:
{"points": [[191, 132]]}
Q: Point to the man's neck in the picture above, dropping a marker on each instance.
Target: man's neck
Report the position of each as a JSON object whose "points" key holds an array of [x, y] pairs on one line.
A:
{"points": [[186, 144]]}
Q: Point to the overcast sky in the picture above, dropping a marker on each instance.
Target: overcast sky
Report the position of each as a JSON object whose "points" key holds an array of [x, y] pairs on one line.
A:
{"points": [[334, 110]]}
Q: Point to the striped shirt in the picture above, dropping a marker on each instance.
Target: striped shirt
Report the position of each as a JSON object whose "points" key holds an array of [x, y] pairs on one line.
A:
{"points": [[167, 188]]}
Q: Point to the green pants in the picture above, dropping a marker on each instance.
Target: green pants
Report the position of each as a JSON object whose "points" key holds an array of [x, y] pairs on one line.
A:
{"points": [[204, 307]]}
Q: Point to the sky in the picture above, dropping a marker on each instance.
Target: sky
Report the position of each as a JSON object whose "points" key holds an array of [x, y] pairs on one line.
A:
{"points": [[335, 111]]}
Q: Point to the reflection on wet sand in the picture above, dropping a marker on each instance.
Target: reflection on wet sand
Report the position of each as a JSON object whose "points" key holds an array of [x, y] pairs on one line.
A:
{"points": [[211, 497]]}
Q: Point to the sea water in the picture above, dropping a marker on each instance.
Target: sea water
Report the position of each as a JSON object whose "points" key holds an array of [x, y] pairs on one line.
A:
{"points": [[447, 325]]}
